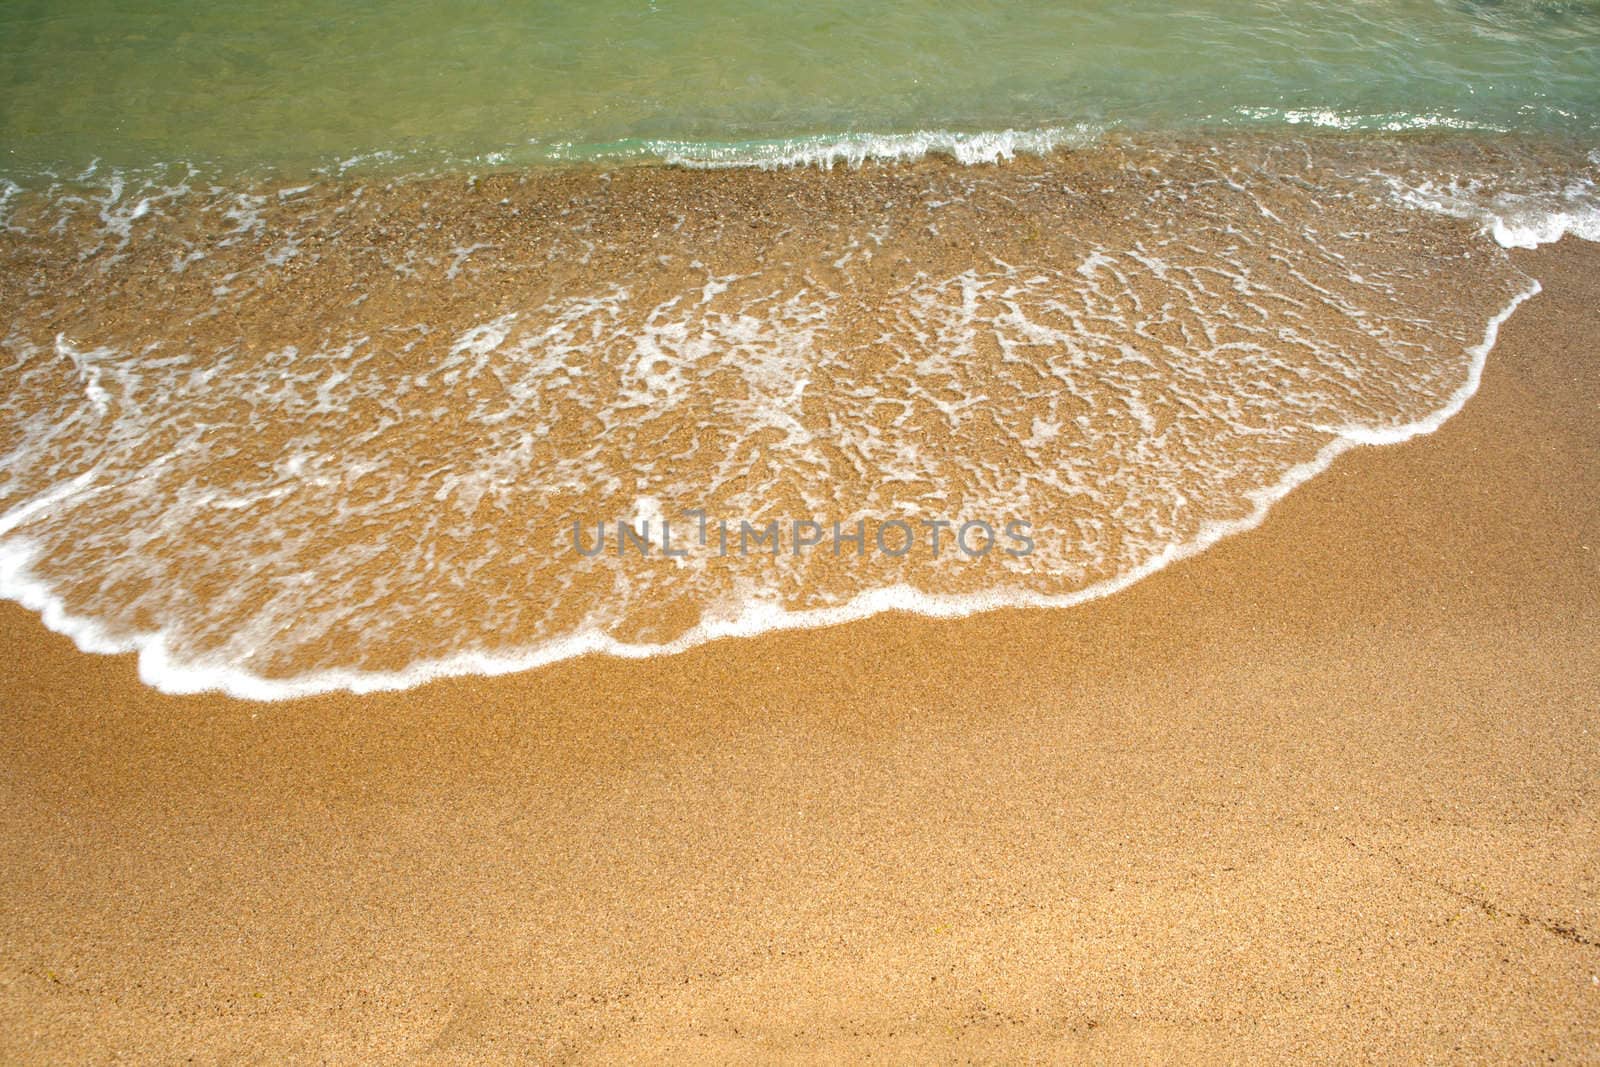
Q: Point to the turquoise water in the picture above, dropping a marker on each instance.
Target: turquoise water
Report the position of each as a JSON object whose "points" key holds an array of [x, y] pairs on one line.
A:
{"points": [[298, 84]]}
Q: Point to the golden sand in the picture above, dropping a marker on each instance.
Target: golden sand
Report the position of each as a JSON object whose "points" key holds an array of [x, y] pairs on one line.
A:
{"points": [[1327, 791]]}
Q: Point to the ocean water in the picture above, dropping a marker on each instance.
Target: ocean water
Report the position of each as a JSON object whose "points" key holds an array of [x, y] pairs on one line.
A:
{"points": [[349, 348], [302, 83]]}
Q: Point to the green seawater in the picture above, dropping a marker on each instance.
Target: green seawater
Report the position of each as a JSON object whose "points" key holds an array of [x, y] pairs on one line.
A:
{"points": [[242, 83]]}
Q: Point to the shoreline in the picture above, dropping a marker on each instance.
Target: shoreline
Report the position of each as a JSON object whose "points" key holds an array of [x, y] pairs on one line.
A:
{"points": [[979, 149], [786, 343], [756, 618], [1328, 784]]}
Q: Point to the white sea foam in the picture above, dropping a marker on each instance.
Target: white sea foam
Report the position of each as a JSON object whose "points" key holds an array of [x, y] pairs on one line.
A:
{"points": [[159, 668], [1535, 211], [856, 149], [1344, 119], [1052, 361], [9, 191]]}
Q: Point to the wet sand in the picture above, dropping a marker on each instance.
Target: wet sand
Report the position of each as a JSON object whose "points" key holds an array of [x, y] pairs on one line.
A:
{"points": [[357, 434], [1330, 789]]}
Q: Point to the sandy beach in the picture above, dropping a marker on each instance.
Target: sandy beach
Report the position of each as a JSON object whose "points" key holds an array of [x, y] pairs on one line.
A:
{"points": [[1330, 789]]}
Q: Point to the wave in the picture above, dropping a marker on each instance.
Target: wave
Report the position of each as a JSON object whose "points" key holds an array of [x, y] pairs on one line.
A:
{"points": [[1519, 208], [1531, 211], [287, 440], [173, 674], [827, 150]]}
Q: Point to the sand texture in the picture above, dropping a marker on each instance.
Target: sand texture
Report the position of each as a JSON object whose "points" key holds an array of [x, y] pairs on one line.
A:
{"points": [[1328, 791]]}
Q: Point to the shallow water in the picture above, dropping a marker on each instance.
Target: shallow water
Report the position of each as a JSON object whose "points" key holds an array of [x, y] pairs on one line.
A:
{"points": [[356, 434]]}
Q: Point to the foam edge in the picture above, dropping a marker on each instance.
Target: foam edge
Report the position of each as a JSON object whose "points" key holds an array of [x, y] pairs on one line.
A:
{"points": [[159, 669]]}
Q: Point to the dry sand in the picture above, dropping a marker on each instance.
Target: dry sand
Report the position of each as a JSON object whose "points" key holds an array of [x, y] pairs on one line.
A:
{"points": [[1330, 790]]}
